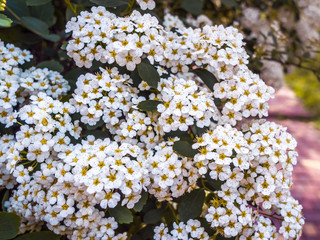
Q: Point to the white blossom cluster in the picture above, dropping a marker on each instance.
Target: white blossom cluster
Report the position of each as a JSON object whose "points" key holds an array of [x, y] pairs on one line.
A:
{"points": [[17, 85], [254, 165], [190, 230], [69, 176]]}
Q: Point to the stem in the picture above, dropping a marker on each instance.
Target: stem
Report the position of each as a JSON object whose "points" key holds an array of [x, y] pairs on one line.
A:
{"points": [[13, 14], [73, 9], [215, 236], [173, 212], [204, 186], [128, 11]]}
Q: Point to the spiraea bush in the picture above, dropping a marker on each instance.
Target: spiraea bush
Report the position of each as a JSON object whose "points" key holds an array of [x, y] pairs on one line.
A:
{"points": [[166, 140]]}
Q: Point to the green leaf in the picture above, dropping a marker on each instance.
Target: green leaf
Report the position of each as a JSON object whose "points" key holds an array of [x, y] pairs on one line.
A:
{"points": [[19, 7], [98, 134], [153, 216], [52, 37], [192, 6], [207, 77], [36, 2], [205, 224], [45, 13], [184, 136], [229, 3], [220, 237], [149, 74], [5, 21], [190, 205], [9, 225], [121, 214], [149, 105], [143, 200], [35, 25], [198, 131], [5, 198], [51, 65], [136, 78], [110, 3], [214, 185], [184, 148], [47, 235], [98, 124]]}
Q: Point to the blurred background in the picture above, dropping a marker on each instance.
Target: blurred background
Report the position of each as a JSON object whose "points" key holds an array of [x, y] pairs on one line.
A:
{"points": [[297, 106]]}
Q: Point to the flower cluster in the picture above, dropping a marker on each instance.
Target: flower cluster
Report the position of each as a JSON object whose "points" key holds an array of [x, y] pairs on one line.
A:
{"points": [[190, 230], [17, 85], [121, 135]]}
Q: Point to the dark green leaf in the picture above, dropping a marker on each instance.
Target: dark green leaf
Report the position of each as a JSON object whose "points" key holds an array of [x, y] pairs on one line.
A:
{"points": [[44, 235], [143, 200], [5, 21], [190, 205], [73, 75], [98, 134], [121, 214], [5, 197], [69, 13], [37, 2], [44, 12], [207, 77], [99, 124], [153, 216], [205, 224], [52, 37], [149, 74], [169, 216], [136, 78], [145, 233], [19, 7], [184, 136], [110, 3], [51, 65], [220, 237], [9, 225], [214, 185], [148, 105], [184, 148], [198, 131], [192, 6], [35, 25], [229, 3]]}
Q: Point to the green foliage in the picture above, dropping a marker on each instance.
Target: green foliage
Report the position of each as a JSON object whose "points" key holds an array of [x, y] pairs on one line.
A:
{"points": [[148, 105], [5, 21], [121, 214], [143, 200], [307, 87], [149, 74], [207, 77], [37, 2], [51, 65], [184, 148], [44, 235], [9, 225], [153, 216], [110, 3], [190, 205], [192, 6]]}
